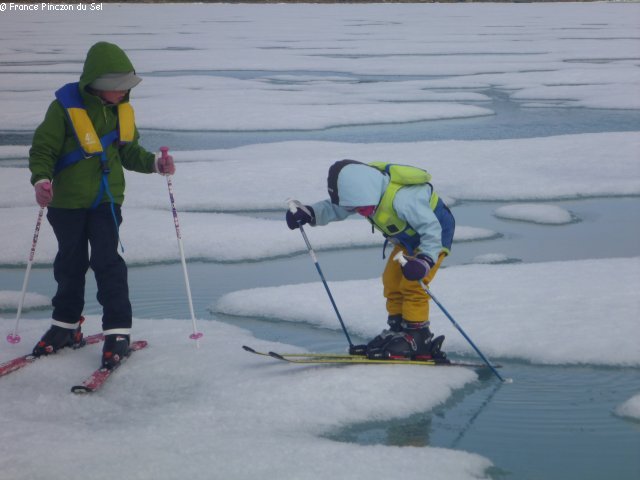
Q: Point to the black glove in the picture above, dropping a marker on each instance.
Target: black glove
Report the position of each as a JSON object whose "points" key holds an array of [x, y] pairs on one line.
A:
{"points": [[301, 216], [417, 267]]}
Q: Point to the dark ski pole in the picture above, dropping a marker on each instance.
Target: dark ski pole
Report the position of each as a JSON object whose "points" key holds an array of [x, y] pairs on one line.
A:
{"points": [[400, 258], [293, 205]]}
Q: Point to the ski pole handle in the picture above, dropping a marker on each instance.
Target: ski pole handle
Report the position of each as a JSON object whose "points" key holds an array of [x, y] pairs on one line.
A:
{"points": [[399, 257], [164, 152], [164, 164], [295, 205]]}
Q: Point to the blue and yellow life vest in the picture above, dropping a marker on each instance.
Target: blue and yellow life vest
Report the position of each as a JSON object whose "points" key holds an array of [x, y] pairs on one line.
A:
{"points": [[386, 219], [90, 144]]}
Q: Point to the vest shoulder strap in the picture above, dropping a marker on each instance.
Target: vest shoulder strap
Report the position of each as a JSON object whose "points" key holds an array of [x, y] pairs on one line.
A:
{"points": [[126, 122], [71, 100], [403, 174]]}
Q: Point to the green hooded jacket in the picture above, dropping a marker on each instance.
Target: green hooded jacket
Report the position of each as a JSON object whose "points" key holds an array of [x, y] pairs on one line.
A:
{"points": [[77, 185]]}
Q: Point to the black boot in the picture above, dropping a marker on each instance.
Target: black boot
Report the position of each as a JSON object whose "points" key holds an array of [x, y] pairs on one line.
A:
{"points": [[435, 351], [58, 337], [114, 350], [395, 326], [414, 342]]}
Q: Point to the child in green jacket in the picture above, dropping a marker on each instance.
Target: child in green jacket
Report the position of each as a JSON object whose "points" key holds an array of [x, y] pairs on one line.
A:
{"points": [[76, 160]]}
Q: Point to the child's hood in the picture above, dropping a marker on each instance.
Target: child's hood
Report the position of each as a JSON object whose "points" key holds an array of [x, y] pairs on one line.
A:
{"points": [[102, 58], [360, 185]]}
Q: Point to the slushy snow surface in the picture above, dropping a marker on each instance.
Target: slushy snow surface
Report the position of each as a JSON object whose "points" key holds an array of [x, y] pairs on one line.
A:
{"points": [[217, 412], [491, 258], [528, 212], [175, 411]]}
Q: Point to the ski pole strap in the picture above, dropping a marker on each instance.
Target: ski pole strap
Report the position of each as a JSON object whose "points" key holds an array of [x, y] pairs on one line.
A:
{"points": [[104, 188]]}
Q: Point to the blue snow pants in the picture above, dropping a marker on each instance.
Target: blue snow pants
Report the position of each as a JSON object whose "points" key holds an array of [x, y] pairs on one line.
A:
{"points": [[76, 230]]}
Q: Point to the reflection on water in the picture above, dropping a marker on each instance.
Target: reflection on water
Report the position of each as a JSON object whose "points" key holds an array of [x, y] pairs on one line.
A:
{"points": [[539, 427]]}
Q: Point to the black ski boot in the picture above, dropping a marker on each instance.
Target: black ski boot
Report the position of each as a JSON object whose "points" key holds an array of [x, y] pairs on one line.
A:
{"points": [[435, 351], [58, 337], [114, 350], [395, 326], [414, 342]]}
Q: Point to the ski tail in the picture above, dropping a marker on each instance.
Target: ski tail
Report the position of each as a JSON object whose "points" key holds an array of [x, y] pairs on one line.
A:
{"points": [[22, 361]]}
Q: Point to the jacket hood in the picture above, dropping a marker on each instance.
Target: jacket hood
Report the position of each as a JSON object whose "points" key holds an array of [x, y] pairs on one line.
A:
{"points": [[103, 58], [358, 185]]}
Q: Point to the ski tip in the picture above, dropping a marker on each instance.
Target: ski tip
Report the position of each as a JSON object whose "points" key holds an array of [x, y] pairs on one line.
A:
{"points": [[80, 389], [276, 355], [507, 380], [248, 349], [80, 344], [139, 345]]}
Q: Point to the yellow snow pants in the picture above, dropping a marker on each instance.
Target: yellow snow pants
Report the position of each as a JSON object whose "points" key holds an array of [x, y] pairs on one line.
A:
{"points": [[406, 297]]}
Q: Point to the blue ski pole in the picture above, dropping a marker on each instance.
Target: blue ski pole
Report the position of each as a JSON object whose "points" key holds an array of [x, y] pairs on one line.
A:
{"points": [[293, 206], [400, 258]]}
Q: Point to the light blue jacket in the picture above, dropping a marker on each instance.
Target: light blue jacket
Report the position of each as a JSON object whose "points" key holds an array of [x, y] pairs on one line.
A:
{"points": [[360, 185]]}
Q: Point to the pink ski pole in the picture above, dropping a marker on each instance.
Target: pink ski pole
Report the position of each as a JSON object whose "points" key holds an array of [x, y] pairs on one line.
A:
{"points": [[15, 337], [195, 335]]}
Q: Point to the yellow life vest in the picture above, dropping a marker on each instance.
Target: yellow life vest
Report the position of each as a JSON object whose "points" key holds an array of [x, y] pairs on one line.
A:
{"points": [[90, 143], [385, 217]]}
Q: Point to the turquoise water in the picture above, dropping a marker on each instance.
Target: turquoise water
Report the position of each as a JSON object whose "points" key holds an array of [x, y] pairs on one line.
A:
{"points": [[554, 422]]}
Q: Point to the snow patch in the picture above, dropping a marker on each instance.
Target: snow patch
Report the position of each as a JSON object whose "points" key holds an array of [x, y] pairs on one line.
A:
{"points": [[535, 213]]}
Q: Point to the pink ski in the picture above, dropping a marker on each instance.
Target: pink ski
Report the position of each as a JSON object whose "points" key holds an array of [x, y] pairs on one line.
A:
{"points": [[98, 378], [19, 362]]}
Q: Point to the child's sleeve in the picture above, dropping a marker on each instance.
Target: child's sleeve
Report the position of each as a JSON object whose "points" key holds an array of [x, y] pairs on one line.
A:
{"points": [[48, 141], [136, 158], [326, 212], [412, 205]]}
